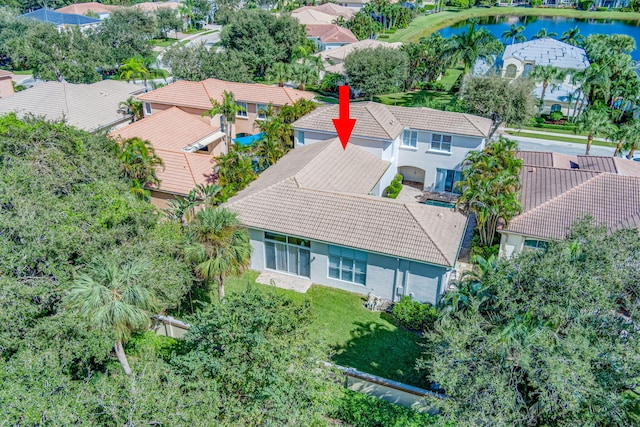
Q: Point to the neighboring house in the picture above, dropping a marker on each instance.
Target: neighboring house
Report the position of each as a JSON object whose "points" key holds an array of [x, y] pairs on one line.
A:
{"points": [[323, 14], [557, 190], [195, 98], [92, 107], [333, 59], [519, 59], [150, 7], [426, 146], [185, 142], [329, 36], [6, 84], [102, 10], [310, 215], [62, 20], [353, 4]]}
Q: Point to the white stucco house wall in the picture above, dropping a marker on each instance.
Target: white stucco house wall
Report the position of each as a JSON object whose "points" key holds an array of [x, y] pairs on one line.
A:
{"points": [[519, 59], [311, 215], [424, 145]]}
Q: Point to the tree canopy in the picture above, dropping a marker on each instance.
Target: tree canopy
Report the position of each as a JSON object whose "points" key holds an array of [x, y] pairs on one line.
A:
{"points": [[375, 71]]}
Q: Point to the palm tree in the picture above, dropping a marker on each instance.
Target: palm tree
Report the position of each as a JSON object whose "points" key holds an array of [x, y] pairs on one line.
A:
{"points": [[139, 161], [595, 122], [185, 9], [546, 74], [472, 44], [228, 109], [304, 74], [573, 37], [631, 138], [279, 72], [543, 34], [514, 33], [111, 297], [184, 208], [131, 107], [220, 246], [132, 68]]}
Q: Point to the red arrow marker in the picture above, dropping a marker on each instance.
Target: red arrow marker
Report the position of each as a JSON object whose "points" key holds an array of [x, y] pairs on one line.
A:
{"points": [[343, 124]]}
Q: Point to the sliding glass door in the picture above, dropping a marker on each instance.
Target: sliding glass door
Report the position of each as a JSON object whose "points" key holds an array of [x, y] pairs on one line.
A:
{"points": [[287, 254]]}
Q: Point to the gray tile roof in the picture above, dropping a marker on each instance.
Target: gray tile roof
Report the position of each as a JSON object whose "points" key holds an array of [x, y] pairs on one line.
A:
{"points": [[376, 120], [548, 51], [320, 192], [86, 106], [609, 164]]}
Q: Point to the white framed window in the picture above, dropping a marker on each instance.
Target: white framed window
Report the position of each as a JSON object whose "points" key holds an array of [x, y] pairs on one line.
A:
{"points": [[287, 254], [535, 245], [556, 107], [410, 138], [243, 111], [147, 109], [300, 135], [348, 265], [261, 111], [440, 142]]}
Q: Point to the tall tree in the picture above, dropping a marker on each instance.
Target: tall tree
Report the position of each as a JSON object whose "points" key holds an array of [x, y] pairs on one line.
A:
{"points": [[595, 122], [139, 161], [376, 71], [227, 109], [547, 75], [111, 298], [220, 246], [572, 36], [131, 107], [514, 33], [543, 34], [132, 68], [489, 186], [280, 72], [427, 59], [472, 44]]}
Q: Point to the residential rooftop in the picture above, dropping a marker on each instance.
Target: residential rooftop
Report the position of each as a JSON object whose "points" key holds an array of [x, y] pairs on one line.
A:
{"points": [[333, 59], [331, 9], [548, 51], [87, 106], [376, 120], [84, 8], [609, 164], [172, 129], [182, 172], [198, 95], [57, 18], [320, 192], [330, 33]]}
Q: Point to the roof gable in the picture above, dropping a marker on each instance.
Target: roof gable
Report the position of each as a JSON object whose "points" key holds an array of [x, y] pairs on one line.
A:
{"points": [[548, 51], [182, 172], [53, 17]]}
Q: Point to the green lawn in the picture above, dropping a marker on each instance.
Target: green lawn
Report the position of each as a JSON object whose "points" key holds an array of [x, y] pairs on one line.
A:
{"points": [[359, 338], [577, 139], [424, 25], [418, 98], [163, 42], [563, 131]]}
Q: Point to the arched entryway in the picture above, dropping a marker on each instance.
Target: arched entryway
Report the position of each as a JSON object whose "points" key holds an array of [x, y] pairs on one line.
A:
{"points": [[412, 174]]}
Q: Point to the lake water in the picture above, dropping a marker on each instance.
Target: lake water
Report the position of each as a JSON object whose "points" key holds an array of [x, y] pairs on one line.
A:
{"points": [[499, 24]]}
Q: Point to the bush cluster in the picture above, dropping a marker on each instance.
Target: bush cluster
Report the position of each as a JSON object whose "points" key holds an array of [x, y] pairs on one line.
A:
{"points": [[361, 410], [394, 188], [413, 315]]}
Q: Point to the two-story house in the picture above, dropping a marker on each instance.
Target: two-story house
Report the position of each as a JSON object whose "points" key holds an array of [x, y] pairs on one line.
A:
{"points": [[311, 217], [424, 145]]}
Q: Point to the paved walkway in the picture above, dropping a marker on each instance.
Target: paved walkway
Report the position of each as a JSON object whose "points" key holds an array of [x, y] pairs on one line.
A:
{"points": [[409, 194], [284, 281]]}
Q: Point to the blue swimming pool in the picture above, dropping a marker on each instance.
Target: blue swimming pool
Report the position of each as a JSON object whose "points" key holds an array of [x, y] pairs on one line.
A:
{"points": [[247, 140], [440, 204]]}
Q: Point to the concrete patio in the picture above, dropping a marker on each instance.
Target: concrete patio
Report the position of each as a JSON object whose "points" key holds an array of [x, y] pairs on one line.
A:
{"points": [[284, 281]]}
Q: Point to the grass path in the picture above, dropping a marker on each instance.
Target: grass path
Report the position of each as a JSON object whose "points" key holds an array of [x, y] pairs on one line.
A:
{"points": [[424, 25]]}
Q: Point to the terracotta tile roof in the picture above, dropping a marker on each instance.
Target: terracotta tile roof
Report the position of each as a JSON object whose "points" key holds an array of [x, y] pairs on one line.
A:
{"points": [[330, 33], [328, 8], [610, 199], [171, 129], [387, 122], [198, 94], [184, 171], [607, 164], [151, 6], [307, 17], [87, 106], [306, 194], [4, 73], [84, 8]]}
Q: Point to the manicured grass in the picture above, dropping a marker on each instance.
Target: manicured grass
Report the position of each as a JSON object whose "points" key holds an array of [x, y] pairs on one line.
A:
{"points": [[577, 139], [416, 98], [327, 99], [20, 72], [563, 131], [424, 25], [360, 338], [163, 42], [450, 77]]}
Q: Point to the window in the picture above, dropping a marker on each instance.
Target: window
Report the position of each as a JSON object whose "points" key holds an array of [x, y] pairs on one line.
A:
{"points": [[243, 111], [510, 71], [349, 265], [409, 138], [441, 142], [147, 108], [287, 254], [535, 245], [446, 180], [556, 107], [300, 137], [527, 70], [261, 110]]}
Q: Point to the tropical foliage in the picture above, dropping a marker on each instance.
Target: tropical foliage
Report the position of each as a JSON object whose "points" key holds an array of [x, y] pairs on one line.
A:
{"points": [[139, 162], [595, 122], [489, 186], [547, 75], [473, 44], [228, 109], [374, 71]]}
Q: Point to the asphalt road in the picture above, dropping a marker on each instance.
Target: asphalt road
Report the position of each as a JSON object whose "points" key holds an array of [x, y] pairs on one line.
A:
{"points": [[533, 144]]}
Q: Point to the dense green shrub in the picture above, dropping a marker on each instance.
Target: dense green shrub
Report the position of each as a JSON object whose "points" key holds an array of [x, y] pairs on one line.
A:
{"points": [[413, 315], [556, 116], [394, 188], [361, 410], [585, 4], [330, 82], [383, 36], [535, 3]]}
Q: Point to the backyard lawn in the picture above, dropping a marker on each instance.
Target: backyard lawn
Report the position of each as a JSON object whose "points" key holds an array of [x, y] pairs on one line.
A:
{"points": [[424, 25], [360, 338]]}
